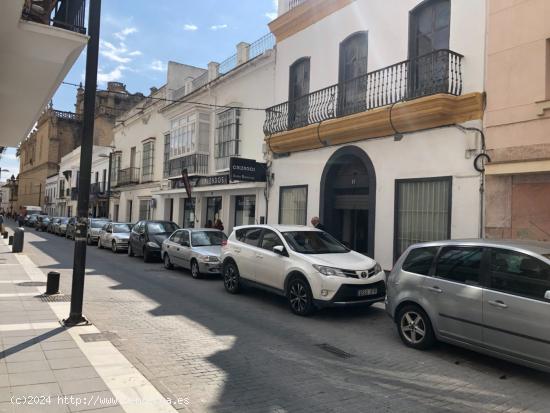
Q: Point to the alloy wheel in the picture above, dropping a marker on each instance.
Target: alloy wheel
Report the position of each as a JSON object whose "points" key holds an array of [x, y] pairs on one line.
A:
{"points": [[298, 297], [167, 263], [114, 247], [230, 278], [195, 273], [413, 327]]}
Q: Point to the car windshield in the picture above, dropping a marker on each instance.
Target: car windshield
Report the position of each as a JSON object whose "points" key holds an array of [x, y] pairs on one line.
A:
{"points": [[207, 238], [64, 221], [97, 224], [121, 228], [313, 242], [161, 227]]}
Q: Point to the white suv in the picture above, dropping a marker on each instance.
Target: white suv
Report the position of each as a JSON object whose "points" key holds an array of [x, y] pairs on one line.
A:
{"points": [[306, 265]]}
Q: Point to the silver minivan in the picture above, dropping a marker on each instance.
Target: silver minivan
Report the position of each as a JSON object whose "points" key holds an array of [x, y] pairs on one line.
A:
{"points": [[489, 296]]}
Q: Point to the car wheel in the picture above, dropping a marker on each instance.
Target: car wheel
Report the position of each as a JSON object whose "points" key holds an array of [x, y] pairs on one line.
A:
{"points": [[231, 278], [114, 247], [130, 251], [146, 255], [414, 327], [195, 271], [300, 297], [99, 243], [167, 263]]}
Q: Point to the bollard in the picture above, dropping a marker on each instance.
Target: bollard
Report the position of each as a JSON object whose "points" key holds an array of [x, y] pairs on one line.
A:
{"points": [[18, 238], [10, 240], [52, 286]]}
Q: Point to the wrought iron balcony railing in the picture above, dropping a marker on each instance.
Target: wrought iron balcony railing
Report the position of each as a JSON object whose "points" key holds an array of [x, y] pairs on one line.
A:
{"points": [[74, 194], [196, 164], [97, 188], [127, 176], [66, 14], [436, 72]]}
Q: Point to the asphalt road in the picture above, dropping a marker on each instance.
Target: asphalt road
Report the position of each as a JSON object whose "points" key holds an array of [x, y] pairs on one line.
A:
{"points": [[249, 353]]}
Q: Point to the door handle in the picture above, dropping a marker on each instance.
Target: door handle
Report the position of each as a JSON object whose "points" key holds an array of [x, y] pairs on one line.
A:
{"points": [[498, 303], [435, 289]]}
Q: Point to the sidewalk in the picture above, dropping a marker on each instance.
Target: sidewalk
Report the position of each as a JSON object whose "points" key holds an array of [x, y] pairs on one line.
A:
{"points": [[45, 367]]}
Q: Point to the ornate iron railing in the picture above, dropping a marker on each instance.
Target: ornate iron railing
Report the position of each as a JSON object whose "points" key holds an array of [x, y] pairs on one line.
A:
{"points": [[228, 64], [127, 176], [261, 45], [196, 164], [66, 14], [66, 115], [436, 72], [294, 3]]}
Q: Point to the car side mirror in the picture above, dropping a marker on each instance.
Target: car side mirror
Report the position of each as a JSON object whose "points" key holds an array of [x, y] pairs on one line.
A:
{"points": [[185, 243], [279, 249], [547, 295]]}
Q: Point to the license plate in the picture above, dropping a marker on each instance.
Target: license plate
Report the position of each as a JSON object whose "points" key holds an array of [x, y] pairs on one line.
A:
{"points": [[367, 291]]}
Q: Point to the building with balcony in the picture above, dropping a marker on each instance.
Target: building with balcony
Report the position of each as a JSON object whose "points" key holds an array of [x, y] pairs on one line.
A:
{"points": [[39, 43], [51, 195], [368, 133], [517, 120], [214, 127]]}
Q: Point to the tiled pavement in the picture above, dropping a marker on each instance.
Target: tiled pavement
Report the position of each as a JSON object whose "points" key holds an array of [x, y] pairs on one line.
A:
{"points": [[45, 367]]}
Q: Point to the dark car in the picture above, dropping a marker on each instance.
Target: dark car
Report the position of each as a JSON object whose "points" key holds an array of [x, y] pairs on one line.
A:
{"points": [[71, 227], [42, 223], [31, 222], [147, 237]]}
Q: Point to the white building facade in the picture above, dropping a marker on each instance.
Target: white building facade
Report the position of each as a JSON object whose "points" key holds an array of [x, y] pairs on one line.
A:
{"points": [[366, 136], [51, 195]]}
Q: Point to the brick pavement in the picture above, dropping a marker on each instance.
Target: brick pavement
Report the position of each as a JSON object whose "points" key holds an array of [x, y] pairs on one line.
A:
{"points": [[248, 353]]}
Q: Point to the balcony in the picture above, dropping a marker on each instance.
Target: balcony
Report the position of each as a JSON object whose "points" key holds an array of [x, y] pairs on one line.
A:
{"points": [[74, 194], [97, 188], [196, 164], [66, 14], [411, 95], [127, 176]]}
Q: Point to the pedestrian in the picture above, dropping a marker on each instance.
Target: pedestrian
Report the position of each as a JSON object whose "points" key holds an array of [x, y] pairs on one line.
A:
{"points": [[219, 224], [20, 220], [316, 222], [1, 223]]}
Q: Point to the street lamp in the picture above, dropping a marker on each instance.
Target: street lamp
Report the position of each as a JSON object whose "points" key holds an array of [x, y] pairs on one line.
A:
{"points": [[110, 156]]}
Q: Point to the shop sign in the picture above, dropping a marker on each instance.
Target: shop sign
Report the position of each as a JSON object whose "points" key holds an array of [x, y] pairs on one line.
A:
{"points": [[242, 169]]}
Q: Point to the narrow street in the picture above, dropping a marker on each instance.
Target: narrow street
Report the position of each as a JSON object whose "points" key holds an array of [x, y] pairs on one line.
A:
{"points": [[249, 353]]}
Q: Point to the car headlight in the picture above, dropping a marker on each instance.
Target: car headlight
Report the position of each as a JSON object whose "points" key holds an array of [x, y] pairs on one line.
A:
{"points": [[153, 244], [377, 268], [329, 271], [208, 258]]}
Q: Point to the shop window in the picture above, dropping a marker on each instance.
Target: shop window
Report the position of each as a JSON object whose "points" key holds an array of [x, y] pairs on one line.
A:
{"points": [[227, 137], [189, 213], [293, 205], [213, 210], [422, 211], [245, 210]]}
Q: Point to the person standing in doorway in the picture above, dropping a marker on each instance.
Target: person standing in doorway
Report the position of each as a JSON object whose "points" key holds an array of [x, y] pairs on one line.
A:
{"points": [[316, 222], [219, 224]]}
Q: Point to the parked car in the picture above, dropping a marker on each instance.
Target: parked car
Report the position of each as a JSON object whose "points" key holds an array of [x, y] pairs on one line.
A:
{"points": [[42, 223], [71, 227], [55, 226], [94, 227], [489, 296], [51, 225], [198, 250], [31, 221], [147, 237], [61, 226], [308, 266], [114, 235]]}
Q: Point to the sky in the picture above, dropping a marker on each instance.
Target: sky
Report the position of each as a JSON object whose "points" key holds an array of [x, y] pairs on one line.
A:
{"points": [[139, 37]]}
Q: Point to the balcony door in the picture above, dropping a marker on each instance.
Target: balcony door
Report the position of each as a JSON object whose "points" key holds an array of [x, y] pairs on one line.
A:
{"points": [[352, 76], [298, 99], [429, 30]]}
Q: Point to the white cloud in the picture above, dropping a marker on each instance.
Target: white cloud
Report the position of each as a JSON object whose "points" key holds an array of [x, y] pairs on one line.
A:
{"points": [[125, 32], [111, 76], [158, 65], [190, 27], [218, 27], [271, 15], [135, 53], [119, 54]]}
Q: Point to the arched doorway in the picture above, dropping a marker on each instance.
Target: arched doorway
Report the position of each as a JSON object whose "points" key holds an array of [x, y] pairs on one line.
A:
{"points": [[348, 198]]}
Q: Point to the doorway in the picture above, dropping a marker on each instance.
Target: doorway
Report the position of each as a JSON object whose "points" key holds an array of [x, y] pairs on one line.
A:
{"points": [[348, 199]]}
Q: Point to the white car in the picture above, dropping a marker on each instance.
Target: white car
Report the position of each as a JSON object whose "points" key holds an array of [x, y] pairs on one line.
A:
{"points": [[114, 235], [306, 265]]}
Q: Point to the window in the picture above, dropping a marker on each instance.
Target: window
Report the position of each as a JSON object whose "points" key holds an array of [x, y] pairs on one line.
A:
{"points": [[183, 135], [176, 237], [166, 163], [314, 242], [148, 158], [249, 236], [270, 240], [227, 137], [422, 211], [185, 237], [419, 260], [163, 227], [298, 93], [459, 264], [144, 209], [96, 176], [115, 168], [189, 213], [517, 273], [293, 205], [207, 238], [352, 71], [213, 210], [245, 210]]}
